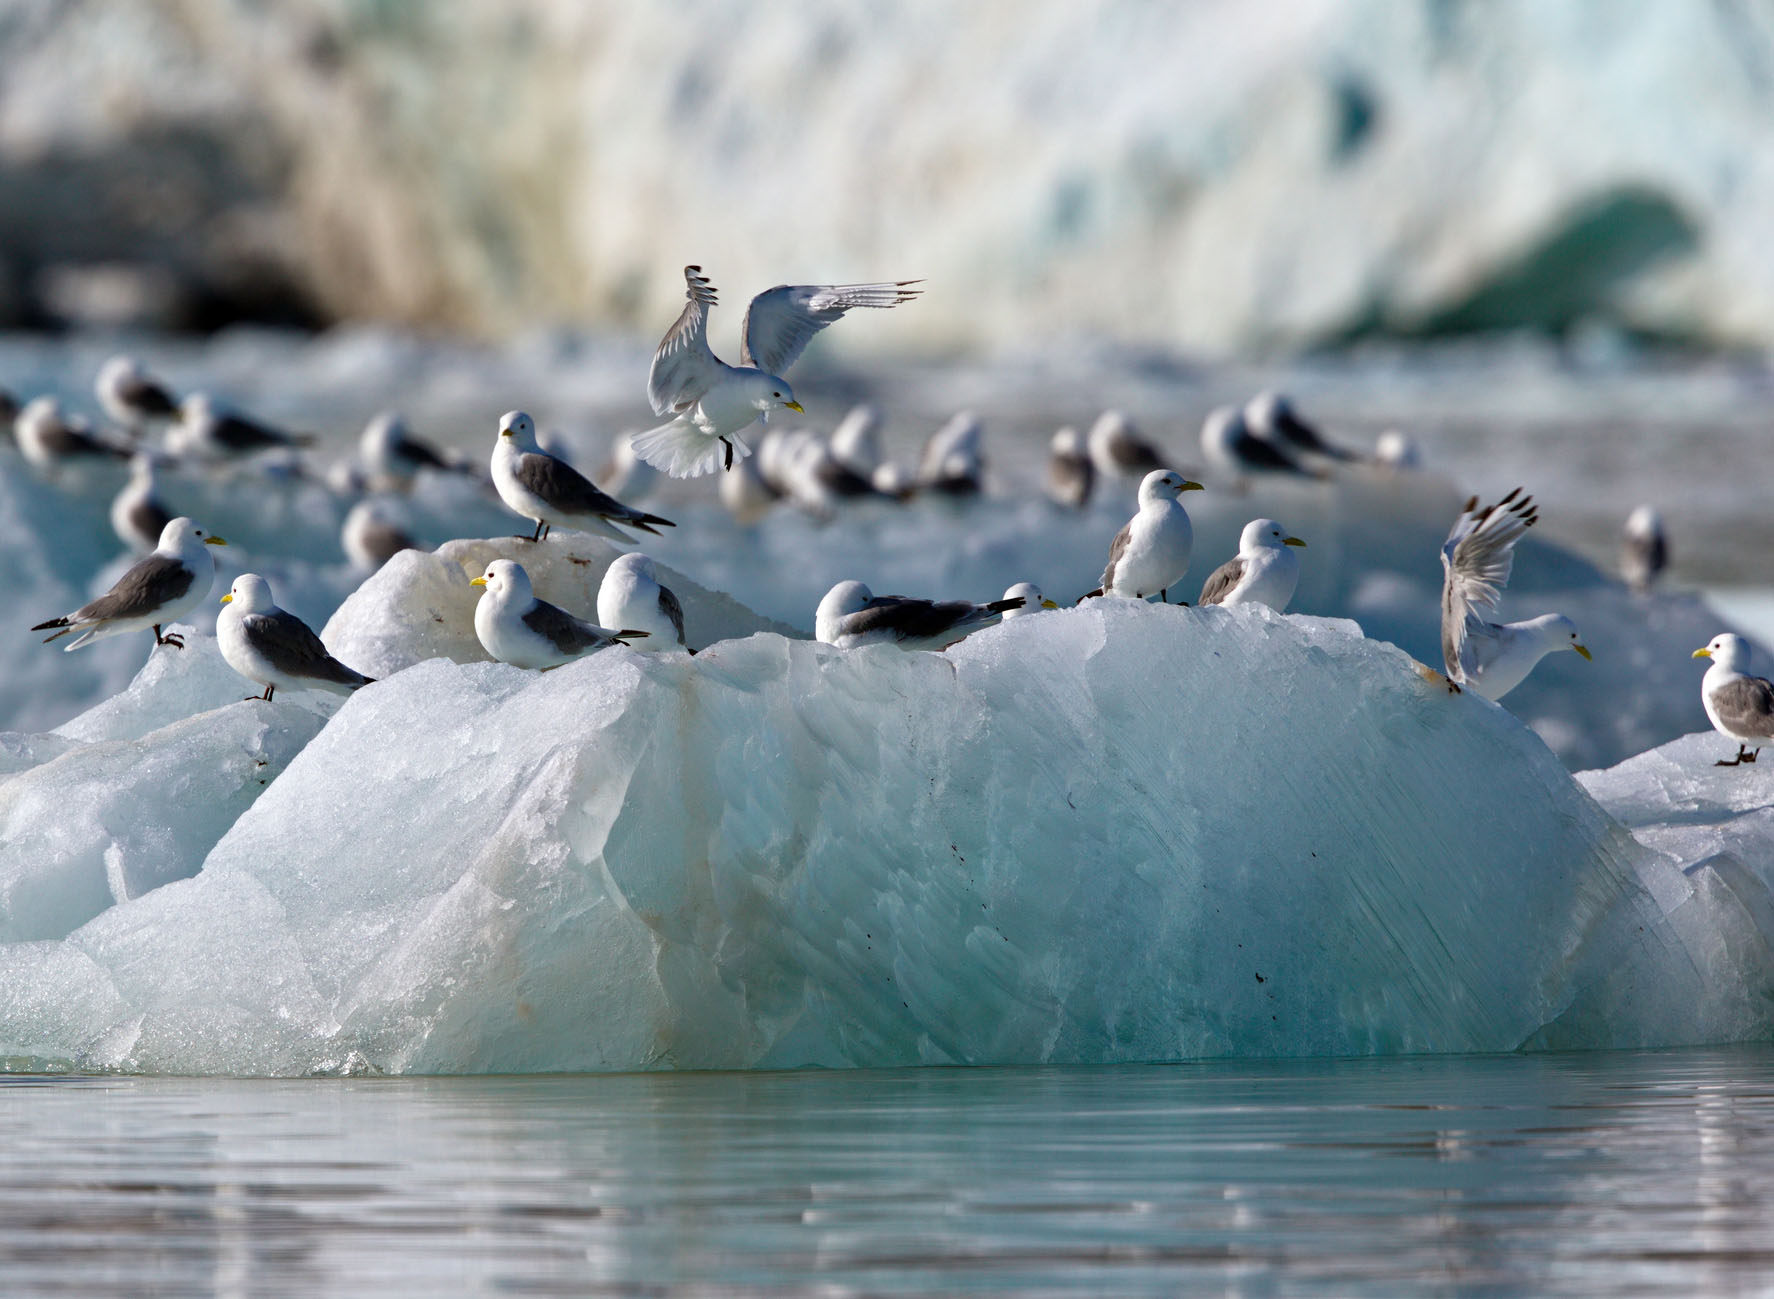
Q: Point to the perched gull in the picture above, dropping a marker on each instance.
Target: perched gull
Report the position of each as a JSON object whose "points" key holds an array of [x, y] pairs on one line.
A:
{"points": [[1271, 417], [392, 457], [1396, 449], [151, 594], [952, 462], [1492, 658], [817, 481], [1032, 600], [1117, 449], [710, 401], [542, 487], [271, 647], [1228, 444], [138, 515], [1741, 707], [1151, 552], [1644, 550], [851, 615], [856, 442], [48, 437], [517, 628], [1071, 472], [208, 428], [1264, 571], [373, 535], [630, 596], [894, 480], [132, 396]]}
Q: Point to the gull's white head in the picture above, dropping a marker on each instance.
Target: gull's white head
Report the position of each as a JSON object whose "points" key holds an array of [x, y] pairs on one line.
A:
{"points": [[520, 428], [507, 579], [1265, 534], [381, 436], [1265, 410], [250, 594], [1644, 523], [1163, 485], [120, 370], [633, 565], [1030, 595], [1730, 652], [182, 536], [1067, 442], [767, 392], [1557, 632], [1221, 430], [841, 601]]}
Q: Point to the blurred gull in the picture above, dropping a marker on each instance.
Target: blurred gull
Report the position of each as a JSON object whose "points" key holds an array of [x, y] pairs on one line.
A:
{"points": [[850, 616], [1740, 707], [48, 437], [1071, 472], [1492, 658], [1151, 552], [207, 428], [856, 442], [1032, 601], [550, 491], [1396, 449], [517, 628], [818, 482], [132, 396], [373, 534], [1117, 449], [392, 457], [1229, 446], [150, 594], [1264, 571], [631, 595], [138, 515], [271, 647], [1271, 417], [953, 463], [711, 401], [1644, 550]]}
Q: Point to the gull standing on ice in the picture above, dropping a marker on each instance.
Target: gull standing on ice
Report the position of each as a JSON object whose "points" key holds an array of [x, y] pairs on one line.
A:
{"points": [[1071, 473], [47, 436], [138, 515], [517, 628], [1271, 417], [631, 596], [1117, 449], [132, 396], [1032, 601], [1264, 571], [1644, 550], [392, 456], [271, 647], [1229, 445], [208, 428], [952, 462], [542, 487], [852, 615], [711, 401], [1151, 552], [1740, 707], [372, 535], [151, 594], [1492, 658]]}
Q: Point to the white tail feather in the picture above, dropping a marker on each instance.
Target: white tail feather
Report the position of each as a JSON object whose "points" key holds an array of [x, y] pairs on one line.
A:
{"points": [[684, 451]]}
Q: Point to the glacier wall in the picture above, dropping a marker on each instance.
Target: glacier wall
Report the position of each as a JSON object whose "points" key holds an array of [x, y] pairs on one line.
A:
{"points": [[1116, 833]]}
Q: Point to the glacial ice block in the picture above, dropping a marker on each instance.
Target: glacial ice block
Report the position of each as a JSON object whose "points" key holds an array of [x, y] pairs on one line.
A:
{"points": [[1121, 832]]}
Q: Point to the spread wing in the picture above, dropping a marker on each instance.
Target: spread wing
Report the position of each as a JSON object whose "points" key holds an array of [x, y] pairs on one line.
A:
{"points": [[673, 611], [1475, 561], [1221, 581], [147, 587], [294, 650], [566, 633], [683, 367], [1745, 706], [781, 321]]}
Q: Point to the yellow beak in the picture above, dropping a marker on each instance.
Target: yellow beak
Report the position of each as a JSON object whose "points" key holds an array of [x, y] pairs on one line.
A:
{"points": [[1702, 653], [1587, 656], [477, 581], [1048, 604], [214, 541], [1293, 541], [1190, 485], [794, 406], [504, 432], [228, 597]]}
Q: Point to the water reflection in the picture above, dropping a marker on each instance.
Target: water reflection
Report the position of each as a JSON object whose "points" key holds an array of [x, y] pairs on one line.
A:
{"points": [[1551, 1174]]}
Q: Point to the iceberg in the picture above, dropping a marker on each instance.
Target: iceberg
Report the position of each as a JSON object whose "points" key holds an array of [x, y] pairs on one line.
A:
{"points": [[1115, 833]]}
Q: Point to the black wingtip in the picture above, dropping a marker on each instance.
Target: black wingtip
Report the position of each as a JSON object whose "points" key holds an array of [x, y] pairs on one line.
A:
{"points": [[629, 633], [1004, 606], [1471, 505], [53, 622], [1088, 595]]}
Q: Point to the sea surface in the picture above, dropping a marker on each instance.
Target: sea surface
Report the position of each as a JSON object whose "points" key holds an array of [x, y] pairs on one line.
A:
{"points": [[1613, 1173]]}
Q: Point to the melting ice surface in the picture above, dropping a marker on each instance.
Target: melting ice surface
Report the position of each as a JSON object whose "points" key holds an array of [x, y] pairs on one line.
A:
{"points": [[1115, 833]]}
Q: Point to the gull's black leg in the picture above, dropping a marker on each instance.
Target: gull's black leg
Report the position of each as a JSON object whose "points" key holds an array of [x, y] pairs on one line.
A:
{"points": [[171, 638], [729, 447], [1742, 749]]}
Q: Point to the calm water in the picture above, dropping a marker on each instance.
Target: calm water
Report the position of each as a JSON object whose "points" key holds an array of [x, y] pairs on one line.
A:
{"points": [[1617, 1174]]}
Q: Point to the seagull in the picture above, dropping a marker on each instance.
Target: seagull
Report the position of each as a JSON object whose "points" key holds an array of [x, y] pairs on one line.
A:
{"points": [[1228, 444], [1032, 601], [1396, 449], [1490, 657], [1071, 470], [710, 401], [152, 593], [856, 442], [132, 396], [392, 456], [273, 648], [542, 487], [208, 428], [851, 615], [372, 535], [817, 481], [1740, 707], [1117, 449], [47, 436], [1264, 571], [517, 628], [1644, 550], [1151, 552], [952, 462], [138, 515], [1271, 417], [631, 596]]}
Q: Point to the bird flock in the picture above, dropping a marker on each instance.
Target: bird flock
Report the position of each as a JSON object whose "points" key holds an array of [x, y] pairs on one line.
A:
{"points": [[710, 409]]}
